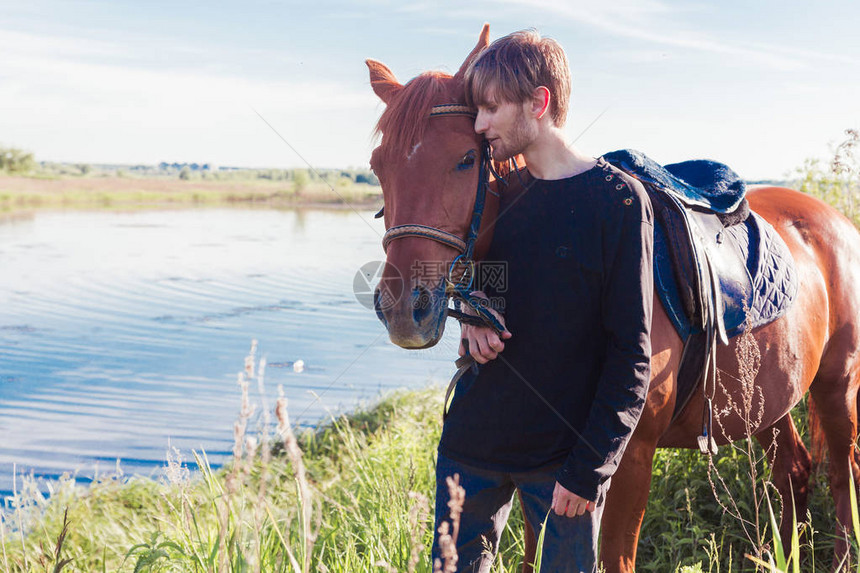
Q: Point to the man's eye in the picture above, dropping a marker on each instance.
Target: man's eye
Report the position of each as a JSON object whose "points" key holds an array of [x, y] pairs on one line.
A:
{"points": [[467, 162]]}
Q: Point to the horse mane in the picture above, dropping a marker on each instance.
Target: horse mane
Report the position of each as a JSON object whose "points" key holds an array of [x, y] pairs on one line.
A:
{"points": [[405, 118]]}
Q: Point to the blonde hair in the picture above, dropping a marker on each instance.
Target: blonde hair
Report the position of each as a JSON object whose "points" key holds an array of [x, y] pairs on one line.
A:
{"points": [[511, 68]]}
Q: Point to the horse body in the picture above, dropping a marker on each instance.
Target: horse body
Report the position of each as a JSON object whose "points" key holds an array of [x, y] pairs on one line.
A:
{"points": [[814, 346], [797, 352], [791, 347]]}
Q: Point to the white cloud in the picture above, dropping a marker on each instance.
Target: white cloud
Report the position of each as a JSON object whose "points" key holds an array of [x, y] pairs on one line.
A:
{"points": [[57, 96], [655, 22], [13, 43]]}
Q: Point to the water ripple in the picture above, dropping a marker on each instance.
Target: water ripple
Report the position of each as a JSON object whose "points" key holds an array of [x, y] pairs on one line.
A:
{"points": [[120, 333]]}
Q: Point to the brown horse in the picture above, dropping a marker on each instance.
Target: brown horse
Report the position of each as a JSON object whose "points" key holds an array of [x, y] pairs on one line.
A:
{"points": [[428, 172]]}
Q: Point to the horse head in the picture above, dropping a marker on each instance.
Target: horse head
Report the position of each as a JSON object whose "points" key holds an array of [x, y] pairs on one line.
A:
{"points": [[429, 165]]}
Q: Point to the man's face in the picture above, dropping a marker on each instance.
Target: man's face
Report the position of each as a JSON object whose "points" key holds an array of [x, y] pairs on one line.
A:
{"points": [[506, 127]]}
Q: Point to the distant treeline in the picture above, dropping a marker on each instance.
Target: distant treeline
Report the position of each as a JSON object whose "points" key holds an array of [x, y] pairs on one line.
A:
{"points": [[299, 177], [15, 161], [836, 181], [193, 171]]}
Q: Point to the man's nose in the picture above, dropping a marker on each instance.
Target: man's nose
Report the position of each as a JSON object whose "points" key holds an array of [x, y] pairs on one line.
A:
{"points": [[481, 123]]}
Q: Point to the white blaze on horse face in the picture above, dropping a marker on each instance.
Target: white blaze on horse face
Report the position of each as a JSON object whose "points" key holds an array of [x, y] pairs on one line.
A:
{"points": [[414, 149]]}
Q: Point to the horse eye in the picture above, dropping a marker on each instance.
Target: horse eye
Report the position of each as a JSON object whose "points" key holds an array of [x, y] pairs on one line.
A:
{"points": [[467, 162]]}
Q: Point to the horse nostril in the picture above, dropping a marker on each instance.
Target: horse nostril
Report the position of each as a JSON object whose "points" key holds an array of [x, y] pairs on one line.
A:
{"points": [[422, 303], [377, 306]]}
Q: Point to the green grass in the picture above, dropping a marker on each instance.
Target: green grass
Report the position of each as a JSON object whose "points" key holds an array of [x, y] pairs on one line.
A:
{"points": [[356, 495], [26, 194], [371, 481], [686, 526]]}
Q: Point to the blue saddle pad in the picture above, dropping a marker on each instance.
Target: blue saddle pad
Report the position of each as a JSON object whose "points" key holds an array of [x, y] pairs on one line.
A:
{"points": [[752, 296], [701, 182], [771, 271]]}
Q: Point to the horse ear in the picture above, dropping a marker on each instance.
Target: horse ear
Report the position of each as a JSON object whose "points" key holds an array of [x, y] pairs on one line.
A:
{"points": [[382, 80], [483, 42]]}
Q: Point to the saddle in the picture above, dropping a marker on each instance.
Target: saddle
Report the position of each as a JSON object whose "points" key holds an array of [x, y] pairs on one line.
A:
{"points": [[719, 268]]}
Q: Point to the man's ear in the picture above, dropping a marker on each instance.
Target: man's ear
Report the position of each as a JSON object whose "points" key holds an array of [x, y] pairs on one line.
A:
{"points": [[540, 101]]}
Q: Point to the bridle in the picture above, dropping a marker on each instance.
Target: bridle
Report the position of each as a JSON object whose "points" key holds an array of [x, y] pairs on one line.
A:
{"points": [[459, 289]]}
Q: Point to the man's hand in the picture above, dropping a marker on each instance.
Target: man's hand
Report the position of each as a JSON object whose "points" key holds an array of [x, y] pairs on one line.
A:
{"points": [[483, 342], [565, 502]]}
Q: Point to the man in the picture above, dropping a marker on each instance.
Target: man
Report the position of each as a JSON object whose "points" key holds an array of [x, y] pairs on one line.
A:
{"points": [[556, 396]]}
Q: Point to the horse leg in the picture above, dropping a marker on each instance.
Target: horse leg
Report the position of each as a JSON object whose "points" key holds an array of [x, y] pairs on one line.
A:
{"points": [[625, 506], [628, 493], [837, 395], [791, 466], [529, 543]]}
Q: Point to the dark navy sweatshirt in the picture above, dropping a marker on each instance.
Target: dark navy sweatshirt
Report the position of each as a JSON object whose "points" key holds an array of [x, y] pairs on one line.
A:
{"points": [[571, 265]]}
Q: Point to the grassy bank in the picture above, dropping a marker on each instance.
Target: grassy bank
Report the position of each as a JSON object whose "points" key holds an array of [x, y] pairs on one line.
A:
{"points": [[355, 495], [361, 506], [19, 193]]}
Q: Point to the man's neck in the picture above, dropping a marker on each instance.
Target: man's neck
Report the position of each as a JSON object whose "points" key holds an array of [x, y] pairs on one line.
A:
{"points": [[550, 156]]}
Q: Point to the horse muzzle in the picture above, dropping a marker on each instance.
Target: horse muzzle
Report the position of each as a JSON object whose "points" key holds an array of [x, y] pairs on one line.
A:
{"points": [[415, 320]]}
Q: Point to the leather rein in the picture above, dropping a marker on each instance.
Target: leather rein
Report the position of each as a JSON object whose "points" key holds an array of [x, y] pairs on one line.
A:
{"points": [[459, 289]]}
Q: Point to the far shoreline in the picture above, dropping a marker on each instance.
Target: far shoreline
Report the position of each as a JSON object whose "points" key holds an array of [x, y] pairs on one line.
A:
{"points": [[21, 194]]}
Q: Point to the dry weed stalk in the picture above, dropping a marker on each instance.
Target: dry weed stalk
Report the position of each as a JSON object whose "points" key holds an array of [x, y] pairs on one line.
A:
{"points": [[241, 466], [844, 161], [846, 164], [177, 474], [19, 513], [242, 444], [59, 562], [3, 540], [448, 534], [294, 453], [842, 188], [749, 361], [419, 512], [385, 566], [261, 507]]}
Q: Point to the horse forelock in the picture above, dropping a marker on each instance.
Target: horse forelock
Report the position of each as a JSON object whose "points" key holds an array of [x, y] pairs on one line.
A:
{"points": [[404, 121]]}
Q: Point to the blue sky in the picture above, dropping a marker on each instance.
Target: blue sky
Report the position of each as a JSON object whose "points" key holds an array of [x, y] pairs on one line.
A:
{"points": [[758, 85]]}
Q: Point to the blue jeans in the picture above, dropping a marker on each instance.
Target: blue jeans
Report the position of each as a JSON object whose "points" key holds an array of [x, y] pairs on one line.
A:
{"points": [[570, 543]]}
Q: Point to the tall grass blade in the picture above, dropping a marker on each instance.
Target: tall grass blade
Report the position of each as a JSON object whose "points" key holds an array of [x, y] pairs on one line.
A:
{"points": [[794, 558], [778, 548], [855, 520], [293, 562], [539, 549], [59, 562]]}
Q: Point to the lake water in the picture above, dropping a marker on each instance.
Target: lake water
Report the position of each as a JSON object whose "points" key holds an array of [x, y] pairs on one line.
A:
{"points": [[121, 333]]}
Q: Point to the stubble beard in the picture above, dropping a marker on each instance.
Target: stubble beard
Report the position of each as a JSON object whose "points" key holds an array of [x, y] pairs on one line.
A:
{"points": [[522, 135]]}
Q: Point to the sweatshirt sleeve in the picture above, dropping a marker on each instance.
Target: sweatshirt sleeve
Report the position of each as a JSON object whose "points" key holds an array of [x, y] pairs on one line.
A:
{"points": [[627, 301]]}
